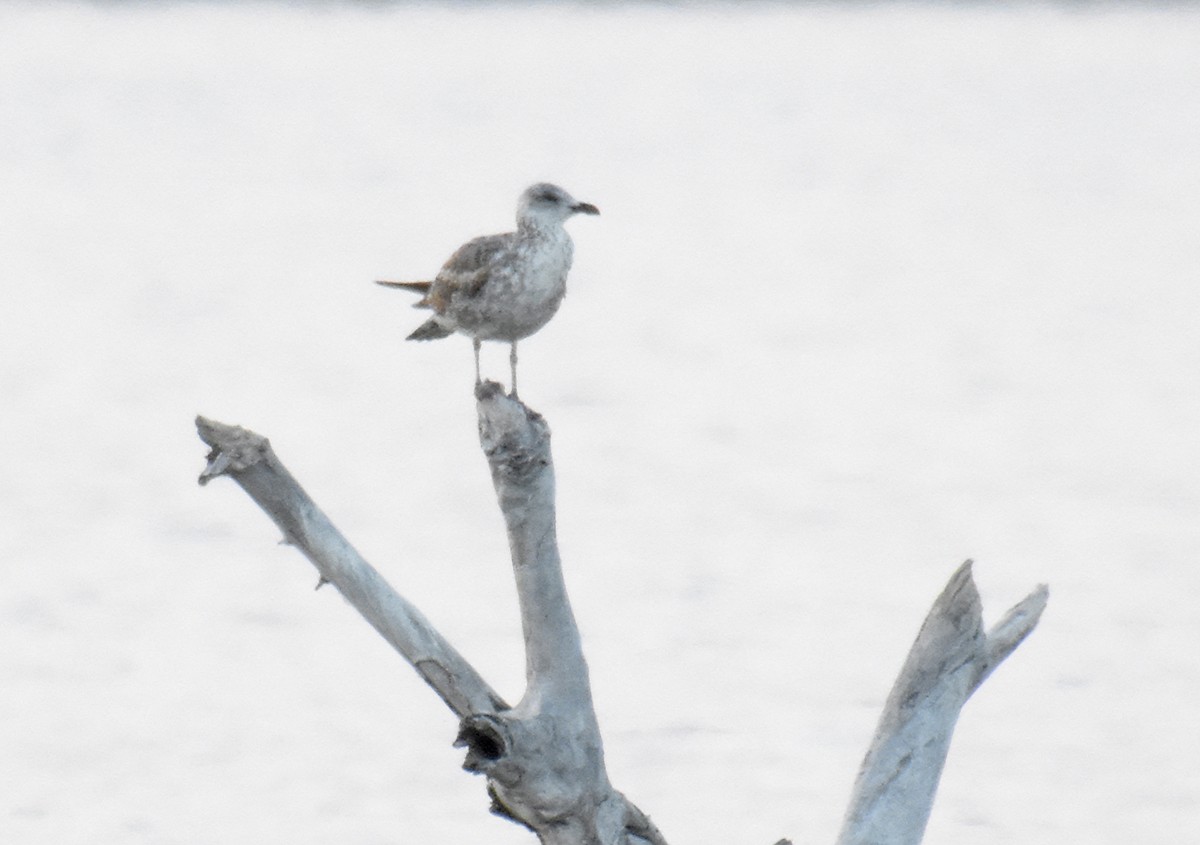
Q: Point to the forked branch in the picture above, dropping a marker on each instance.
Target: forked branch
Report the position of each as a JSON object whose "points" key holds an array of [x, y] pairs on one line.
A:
{"points": [[543, 758], [950, 658]]}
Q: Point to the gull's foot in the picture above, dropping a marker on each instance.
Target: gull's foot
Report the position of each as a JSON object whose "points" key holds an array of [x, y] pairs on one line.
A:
{"points": [[488, 389]]}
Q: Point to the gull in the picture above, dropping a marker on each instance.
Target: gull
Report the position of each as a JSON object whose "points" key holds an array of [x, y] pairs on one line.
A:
{"points": [[504, 287]]}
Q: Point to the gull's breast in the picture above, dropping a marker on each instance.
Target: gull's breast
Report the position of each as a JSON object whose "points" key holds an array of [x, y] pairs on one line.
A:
{"points": [[522, 297]]}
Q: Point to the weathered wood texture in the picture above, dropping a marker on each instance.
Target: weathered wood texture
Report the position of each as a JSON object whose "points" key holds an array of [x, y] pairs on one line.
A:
{"points": [[950, 658], [248, 459], [544, 758]]}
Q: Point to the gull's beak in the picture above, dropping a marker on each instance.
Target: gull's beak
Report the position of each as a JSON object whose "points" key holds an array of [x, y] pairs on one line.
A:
{"points": [[585, 208]]}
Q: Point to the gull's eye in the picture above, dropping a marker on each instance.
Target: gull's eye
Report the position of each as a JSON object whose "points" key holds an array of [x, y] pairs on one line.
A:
{"points": [[548, 196]]}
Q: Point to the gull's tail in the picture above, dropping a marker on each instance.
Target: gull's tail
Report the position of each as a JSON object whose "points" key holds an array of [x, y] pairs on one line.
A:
{"points": [[415, 287], [431, 329]]}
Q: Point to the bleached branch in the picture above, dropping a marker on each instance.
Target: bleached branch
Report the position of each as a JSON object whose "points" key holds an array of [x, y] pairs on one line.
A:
{"points": [[950, 658], [544, 758], [248, 459]]}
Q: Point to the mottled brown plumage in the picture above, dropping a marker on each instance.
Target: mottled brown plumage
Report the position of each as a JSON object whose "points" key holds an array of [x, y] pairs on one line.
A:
{"points": [[504, 287]]}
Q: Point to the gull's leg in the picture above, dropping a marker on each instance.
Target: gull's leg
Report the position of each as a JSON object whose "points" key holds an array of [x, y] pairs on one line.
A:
{"points": [[476, 342], [512, 362]]}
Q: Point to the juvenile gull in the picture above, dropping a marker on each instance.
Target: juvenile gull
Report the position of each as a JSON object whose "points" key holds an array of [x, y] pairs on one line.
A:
{"points": [[504, 287]]}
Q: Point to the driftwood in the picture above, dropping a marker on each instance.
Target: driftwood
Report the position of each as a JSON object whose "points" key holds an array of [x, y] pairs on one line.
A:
{"points": [[543, 758]]}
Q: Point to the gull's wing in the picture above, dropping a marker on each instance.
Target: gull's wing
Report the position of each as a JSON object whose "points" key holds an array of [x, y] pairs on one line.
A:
{"points": [[465, 273]]}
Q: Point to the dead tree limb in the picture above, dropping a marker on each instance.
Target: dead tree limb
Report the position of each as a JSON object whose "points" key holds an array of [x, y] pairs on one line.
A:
{"points": [[543, 758], [950, 658], [248, 459]]}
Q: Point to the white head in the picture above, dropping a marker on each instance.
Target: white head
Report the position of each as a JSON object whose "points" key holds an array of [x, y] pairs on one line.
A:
{"points": [[544, 204]]}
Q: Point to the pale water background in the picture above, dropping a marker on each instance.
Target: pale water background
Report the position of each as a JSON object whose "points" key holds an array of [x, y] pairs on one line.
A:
{"points": [[875, 289]]}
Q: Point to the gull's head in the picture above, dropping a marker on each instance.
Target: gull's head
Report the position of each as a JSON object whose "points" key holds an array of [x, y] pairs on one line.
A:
{"points": [[544, 204]]}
